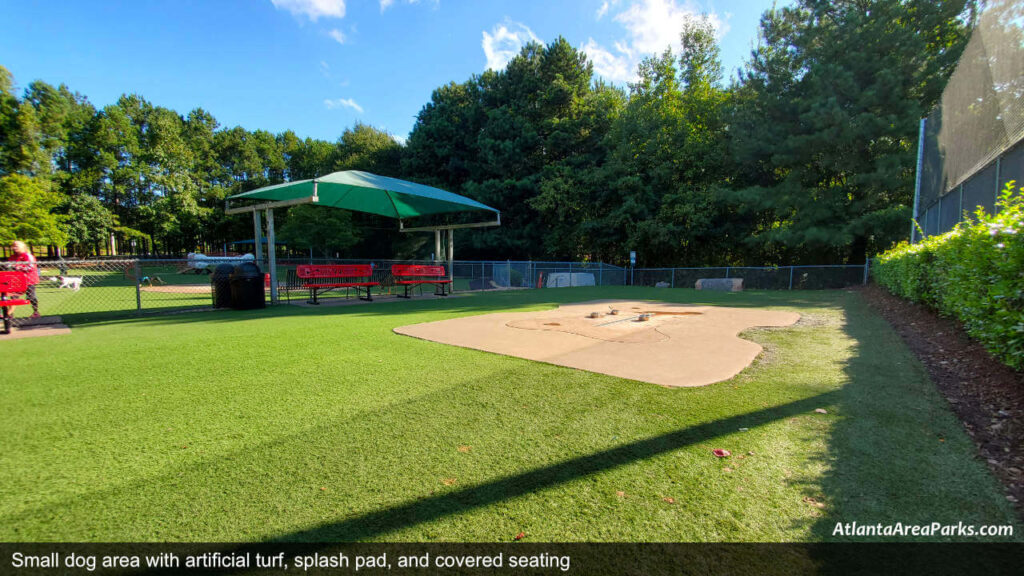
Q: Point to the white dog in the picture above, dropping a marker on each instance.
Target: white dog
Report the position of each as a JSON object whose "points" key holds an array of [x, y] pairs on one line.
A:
{"points": [[71, 282]]}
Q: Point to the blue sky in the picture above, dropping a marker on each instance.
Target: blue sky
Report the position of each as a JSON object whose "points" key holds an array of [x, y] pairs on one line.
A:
{"points": [[319, 66]]}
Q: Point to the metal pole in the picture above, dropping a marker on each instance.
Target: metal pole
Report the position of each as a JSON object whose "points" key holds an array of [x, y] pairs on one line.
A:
{"points": [[138, 286], [451, 258], [437, 246], [600, 275], [570, 275], [271, 255], [508, 264], [257, 235], [961, 213], [995, 206], [726, 271], [917, 181], [673, 277], [790, 277], [867, 263]]}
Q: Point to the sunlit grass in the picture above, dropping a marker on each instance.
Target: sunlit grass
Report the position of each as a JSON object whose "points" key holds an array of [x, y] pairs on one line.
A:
{"points": [[322, 424]]}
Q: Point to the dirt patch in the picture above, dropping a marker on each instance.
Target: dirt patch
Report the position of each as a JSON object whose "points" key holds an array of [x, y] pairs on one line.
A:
{"points": [[36, 327], [987, 395]]}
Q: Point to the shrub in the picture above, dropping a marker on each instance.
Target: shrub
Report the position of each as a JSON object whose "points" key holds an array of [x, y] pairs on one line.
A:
{"points": [[974, 273]]}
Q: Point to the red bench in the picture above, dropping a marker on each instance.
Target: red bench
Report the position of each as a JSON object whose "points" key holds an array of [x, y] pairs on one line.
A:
{"points": [[11, 283], [320, 278], [411, 275]]}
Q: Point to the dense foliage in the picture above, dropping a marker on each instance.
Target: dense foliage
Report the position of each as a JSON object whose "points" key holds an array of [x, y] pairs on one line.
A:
{"points": [[974, 273], [805, 157]]}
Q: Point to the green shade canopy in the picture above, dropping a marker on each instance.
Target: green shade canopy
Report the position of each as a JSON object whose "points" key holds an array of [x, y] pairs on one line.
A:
{"points": [[365, 192]]}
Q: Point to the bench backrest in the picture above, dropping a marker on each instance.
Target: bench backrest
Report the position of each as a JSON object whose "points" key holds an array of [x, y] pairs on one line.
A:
{"points": [[13, 282], [306, 271], [416, 270]]}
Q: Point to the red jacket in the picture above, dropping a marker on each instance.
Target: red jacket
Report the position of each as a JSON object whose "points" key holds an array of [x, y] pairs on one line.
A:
{"points": [[30, 269]]}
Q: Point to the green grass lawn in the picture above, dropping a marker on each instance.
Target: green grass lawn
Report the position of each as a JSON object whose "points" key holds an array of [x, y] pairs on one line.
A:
{"points": [[322, 424]]}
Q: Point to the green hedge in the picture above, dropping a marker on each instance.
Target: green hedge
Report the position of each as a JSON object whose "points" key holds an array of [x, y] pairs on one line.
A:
{"points": [[974, 273]]}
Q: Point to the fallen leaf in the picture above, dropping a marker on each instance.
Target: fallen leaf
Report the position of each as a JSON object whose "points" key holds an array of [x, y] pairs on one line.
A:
{"points": [[465, 449], [448, 481], [721, 453], [323, 488], [620, 494], [669, 499], [821, 411], [726, 469], [520, 536], [814, 502]]}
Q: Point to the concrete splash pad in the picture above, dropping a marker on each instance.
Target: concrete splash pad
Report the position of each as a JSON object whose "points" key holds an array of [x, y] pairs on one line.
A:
{"points": [[676, 345]]}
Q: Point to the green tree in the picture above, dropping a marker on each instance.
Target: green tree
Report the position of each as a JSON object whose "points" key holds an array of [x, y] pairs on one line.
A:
{"points": [[826, 128], [327, 231], [26, 211], [86, 223]]}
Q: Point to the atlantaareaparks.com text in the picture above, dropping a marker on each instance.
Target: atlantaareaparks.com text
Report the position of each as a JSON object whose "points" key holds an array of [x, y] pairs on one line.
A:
{"points": [[933, 529]]}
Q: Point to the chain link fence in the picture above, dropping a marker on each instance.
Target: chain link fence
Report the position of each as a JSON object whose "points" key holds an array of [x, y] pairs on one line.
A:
{"points": [[79, 290], [972, 144], [824, 277]]}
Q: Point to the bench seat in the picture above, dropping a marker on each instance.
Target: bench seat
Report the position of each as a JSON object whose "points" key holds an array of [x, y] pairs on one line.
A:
{"points": [[18, 302], [320, 278], [339, 284], [11, 283], [409, 275], [423, 281]]}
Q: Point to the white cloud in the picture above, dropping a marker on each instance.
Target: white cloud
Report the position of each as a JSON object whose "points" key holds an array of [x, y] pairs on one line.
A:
{"points": [[607, 65], [312, 9], [385, 4], [651, 26], [343, 103], [338, 35], [504, 42], [325, 69], [604, 9]]}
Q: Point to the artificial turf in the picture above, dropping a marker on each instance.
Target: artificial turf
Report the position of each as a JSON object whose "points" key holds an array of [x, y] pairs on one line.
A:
{"points": [[316, 424]]}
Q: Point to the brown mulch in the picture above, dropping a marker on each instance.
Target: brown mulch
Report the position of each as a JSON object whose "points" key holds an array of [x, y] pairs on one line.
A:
{"points": [[987, 395]]}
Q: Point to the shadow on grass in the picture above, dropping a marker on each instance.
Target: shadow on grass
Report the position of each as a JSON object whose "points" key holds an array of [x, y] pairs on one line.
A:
{"points": [[896, 454], [379, 522]]}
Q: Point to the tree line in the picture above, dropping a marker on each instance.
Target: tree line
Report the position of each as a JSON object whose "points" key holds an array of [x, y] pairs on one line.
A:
{"points": [[806, 156]]}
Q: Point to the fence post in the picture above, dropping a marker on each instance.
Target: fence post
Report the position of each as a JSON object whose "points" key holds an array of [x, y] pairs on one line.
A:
{"points": [[138, 286], [790, 277], [508, 265], [995, 206], [867, 263], [570, 275], [726, 271], [600, 275], [673, 278]]}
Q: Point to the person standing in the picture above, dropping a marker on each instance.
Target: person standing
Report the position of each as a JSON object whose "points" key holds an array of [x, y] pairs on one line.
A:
{"points": [[25, 263]]}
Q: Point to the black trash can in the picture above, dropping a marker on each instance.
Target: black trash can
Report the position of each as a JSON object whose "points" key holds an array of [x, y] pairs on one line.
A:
{"points": [[220, 284], [247, 287]]}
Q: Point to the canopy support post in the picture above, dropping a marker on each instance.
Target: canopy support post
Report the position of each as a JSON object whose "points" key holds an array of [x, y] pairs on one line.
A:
{"points": [[257, 234], [437, 246], [271, 255], [451, 259]]}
